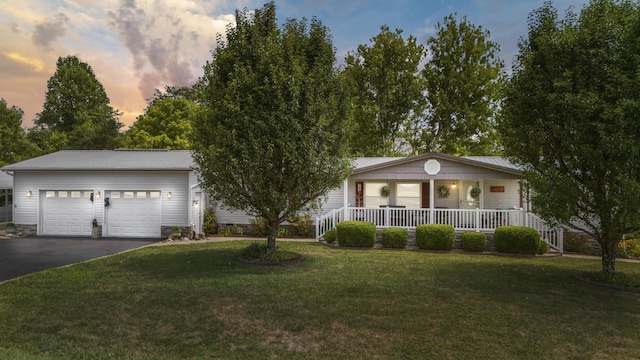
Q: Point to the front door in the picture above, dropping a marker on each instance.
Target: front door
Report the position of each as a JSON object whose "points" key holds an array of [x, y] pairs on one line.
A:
{"points": [[467, 201], [425, 195]]}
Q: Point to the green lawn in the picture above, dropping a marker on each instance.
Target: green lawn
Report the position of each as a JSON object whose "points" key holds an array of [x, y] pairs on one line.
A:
{"points": [[196, 302]]}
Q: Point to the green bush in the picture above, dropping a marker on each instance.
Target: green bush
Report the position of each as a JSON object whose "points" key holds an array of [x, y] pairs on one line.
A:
{"points": [[259, 226], [356, 233], [258, 251], [435, 236], [331, 236], [394, 238], [517, 240], [210, 225], [629, 248], [303, 226], [473, 241], [543, 248], [574, 242], [233, 230]]}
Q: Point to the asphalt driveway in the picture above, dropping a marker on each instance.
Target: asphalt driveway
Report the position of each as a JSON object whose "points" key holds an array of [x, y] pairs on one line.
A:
{"points": [[26, 255]]}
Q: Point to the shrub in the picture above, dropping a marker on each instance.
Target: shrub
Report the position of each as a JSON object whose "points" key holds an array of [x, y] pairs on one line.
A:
{"points": [[543, 248], [394, 238], [283, 231], [303, 225], [473, 241], [233, 230], [258, 251], [259, 226], [210, 224], [435, 236], [331, 236], [517, 240], [356, 233], [629, 248], [575, 242]]}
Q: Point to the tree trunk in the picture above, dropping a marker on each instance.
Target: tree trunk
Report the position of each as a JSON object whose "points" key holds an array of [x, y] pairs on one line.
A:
{"points": [[271, 240], [609, 249]]}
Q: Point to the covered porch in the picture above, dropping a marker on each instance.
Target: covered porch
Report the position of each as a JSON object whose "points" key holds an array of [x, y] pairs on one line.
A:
{"points": [[468, 193]]}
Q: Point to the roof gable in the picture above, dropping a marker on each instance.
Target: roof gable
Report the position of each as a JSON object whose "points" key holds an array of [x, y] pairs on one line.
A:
{"points": [[108, 160]]}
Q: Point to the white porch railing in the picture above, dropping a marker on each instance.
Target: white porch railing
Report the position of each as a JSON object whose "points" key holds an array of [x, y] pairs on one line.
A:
{"points": [[460, 219]]}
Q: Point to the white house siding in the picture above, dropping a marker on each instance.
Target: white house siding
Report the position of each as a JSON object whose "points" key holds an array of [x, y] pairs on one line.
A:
{"points": [[174, 211], [510, 198]]}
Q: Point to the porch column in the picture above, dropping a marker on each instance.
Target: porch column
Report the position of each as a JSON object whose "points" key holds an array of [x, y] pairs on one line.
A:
{"points": [[345, 199], [432, 200]]}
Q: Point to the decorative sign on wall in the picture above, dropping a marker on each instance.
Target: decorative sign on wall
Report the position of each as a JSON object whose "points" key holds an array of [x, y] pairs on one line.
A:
{"points": [[496, 188]]}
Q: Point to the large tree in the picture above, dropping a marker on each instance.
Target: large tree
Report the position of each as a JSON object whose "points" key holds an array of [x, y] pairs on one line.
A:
{"points": [[166, 124], [77, 105], [572, 119], [386, 91], [463, 79], [270, 137], [14, 145]]}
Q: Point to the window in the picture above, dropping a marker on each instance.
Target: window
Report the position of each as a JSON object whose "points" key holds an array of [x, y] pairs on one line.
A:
{"points": [[115, 194], [141, 194], [75, 194], [154, 194], [372, 197], [62, 194], [128, 194], [50, 194], [408, 195]]}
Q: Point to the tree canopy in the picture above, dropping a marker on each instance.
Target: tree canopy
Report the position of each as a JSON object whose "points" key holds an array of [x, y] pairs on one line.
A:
{"points": [[463, 79], [270, 136], [166, 124], [571, 119], [385, 91], [14, 145], [77, 106]]}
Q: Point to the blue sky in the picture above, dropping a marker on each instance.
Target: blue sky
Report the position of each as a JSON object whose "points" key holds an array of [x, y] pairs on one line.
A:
{"points": [[136, 46]]}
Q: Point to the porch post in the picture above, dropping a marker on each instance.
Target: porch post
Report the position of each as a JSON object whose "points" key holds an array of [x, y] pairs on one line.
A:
{"points": [[431, 199], [345, 199]]}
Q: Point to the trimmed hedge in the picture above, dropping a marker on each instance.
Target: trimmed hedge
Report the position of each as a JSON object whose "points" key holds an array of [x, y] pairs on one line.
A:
{"points": [[435, 236], [395, 238], [543, 248], [517, 240], [356, 233], [473, 241], [331, 236]]}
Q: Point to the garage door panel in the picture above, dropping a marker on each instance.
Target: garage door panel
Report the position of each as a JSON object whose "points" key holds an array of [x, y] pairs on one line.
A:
{"points": [[134, 214], [66, 212]]}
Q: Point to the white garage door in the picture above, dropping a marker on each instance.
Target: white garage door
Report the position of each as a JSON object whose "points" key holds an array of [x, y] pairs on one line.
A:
{"points": [[66, 212], [133, 214]]}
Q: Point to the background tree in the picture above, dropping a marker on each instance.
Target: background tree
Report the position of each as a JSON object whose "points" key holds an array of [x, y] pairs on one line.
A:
{"points": [[14, 145], [463, 81], [77, 105], [571, 118], [385, 91], [166, 124], [271, 134]]}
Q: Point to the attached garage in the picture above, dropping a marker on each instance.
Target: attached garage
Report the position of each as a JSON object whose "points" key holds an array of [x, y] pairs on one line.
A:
{"points": [[66, 212], [127, 193]]}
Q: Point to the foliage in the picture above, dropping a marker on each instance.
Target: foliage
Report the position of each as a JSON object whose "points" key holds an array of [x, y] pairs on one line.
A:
{"points": [[385, 91], [354, 233], [543, 247], [331, 236], [258, 251], [303, 225], [435, 237], [77, 106], [385, 191], [259, 226], [233, 230], [395, 238], [629, 248], [166, 124], [14, 146], [283, 231], [210, 223], [570, 119], [574, 242], [463, 77], [517, 240], [270, 134], [473, 241], [175, 228]]}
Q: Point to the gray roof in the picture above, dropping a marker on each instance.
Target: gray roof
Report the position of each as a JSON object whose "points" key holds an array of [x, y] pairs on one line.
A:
{"points": [[107, 160], [369, 161], [494, 160], [490, 162]]}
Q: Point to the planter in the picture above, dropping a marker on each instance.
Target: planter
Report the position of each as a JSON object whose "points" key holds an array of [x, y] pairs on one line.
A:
{"points": [[96, 232]]}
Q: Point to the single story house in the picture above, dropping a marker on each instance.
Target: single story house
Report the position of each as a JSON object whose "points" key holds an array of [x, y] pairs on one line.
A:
{"points": [[6, 197], [127, 193], [144, 193]]}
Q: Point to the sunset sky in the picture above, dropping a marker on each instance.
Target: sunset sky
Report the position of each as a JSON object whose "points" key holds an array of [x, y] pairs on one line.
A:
{"points": [[136, 46]]}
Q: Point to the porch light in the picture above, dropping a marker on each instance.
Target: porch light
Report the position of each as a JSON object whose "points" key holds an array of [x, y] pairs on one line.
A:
{"points": [[169, 195], [29, 193], [195, 203], [98, 195], [453, 185]]}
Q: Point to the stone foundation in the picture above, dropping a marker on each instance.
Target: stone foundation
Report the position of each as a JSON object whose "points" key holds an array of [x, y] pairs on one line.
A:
{"points": [[185, 231]]}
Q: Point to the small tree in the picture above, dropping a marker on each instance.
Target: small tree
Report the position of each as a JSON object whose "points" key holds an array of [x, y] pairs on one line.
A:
{"points": [[571, 119], [14, 145], [271, 130]]}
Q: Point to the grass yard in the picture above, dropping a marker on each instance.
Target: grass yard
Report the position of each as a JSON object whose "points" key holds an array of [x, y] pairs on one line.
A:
{"points": [[196, 302]]}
